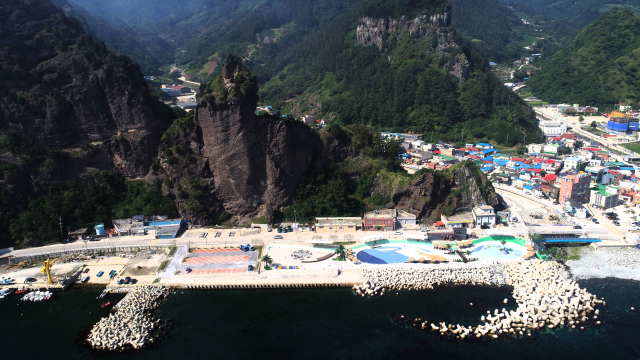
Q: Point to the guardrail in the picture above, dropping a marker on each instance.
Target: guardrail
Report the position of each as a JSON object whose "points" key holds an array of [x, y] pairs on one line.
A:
{"points": [[91, 250]]}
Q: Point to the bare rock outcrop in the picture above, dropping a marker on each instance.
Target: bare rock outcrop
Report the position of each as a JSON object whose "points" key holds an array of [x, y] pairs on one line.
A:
{"points": [[66, 90], [246, 164], [443, 39]]}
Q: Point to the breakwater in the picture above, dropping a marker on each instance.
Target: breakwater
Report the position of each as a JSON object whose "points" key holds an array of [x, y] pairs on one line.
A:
{"points": [[130, 324], [546, 298]]}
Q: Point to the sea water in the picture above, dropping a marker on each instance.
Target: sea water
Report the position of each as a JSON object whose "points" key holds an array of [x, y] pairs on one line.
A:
{"points": [[318, 324]]}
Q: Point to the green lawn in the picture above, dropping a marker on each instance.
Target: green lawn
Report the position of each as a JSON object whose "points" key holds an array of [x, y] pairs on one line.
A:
{"points": [[635, 147]]}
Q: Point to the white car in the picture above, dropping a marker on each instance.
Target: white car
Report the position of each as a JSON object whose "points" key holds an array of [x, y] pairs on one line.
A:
{"points": [[398, 232]]}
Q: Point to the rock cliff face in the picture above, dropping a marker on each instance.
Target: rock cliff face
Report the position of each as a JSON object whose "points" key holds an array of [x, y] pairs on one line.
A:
{"points": [[435, 193], [379, 32], [246, 165], [61, 87]]}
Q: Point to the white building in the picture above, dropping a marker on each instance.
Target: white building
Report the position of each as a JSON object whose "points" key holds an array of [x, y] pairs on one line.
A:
{"points": [[552, 148], [483, 215], [535, 148], [572, 162], [552, 128]]}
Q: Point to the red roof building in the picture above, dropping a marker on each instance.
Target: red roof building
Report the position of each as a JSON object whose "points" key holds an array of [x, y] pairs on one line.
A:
{"points": [[569, 136]]}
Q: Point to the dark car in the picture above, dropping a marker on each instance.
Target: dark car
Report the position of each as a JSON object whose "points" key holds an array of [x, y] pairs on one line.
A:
{"points": [[278, 237], [250, 268], [484, 227], [595, 221], [127, 279], [30, 280], [577, 227], [86, 270], [189, 270], [556, 202], [120, 282], [616, 223]]}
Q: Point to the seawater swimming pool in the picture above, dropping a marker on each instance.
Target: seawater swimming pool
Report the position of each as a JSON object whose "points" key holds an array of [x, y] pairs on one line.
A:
{"points": [[400, 252]]}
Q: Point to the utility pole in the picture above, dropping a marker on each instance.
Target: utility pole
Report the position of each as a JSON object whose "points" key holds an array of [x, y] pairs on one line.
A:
{"points": [[61, 228], [432, 136]]}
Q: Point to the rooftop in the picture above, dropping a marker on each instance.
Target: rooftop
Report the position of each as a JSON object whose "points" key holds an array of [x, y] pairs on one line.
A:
{"points": [[339, 221]]}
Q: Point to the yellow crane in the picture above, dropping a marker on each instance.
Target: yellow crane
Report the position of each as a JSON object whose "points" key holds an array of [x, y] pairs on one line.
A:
{"points": [[46, 269]]}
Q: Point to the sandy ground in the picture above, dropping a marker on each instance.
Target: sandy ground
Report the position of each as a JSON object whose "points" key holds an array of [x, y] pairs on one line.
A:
{"points": [[281, 255], [148, 266]]}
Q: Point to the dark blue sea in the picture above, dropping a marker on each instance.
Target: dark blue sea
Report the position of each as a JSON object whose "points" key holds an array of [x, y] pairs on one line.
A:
{"points": [[317, 324]]}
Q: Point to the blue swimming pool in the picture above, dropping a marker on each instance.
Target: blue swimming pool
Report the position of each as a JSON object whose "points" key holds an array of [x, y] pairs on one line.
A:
{"points": [[493, 252], [392, 254]]}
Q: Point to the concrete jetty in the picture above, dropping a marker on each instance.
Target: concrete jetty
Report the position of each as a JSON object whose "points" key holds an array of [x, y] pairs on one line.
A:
{"points": [[129, 324], [546, 297]]}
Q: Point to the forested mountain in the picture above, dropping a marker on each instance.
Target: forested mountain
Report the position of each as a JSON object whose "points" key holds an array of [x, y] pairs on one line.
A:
{"points": [[69, 109], [580, 13], [148, 51], [403, 72], [599, 68]]}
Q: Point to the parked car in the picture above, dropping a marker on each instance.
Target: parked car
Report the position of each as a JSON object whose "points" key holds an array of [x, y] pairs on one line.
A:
{"points": [[514, 219], [127, 280], [424, 229], [616, 223], [30, 280], [189, 270], [484, 226], [577, 227], [595, 221], [556, 202], [278, 237], [398, 233], [86, 270], [100, 273], [250, 268]]}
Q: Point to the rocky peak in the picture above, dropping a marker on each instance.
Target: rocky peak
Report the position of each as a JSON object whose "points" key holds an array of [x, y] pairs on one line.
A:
{"points": [[378, 32], [232, 159]]}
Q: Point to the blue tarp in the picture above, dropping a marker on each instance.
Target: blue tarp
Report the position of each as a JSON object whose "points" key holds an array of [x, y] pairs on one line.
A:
{"points": [[500, 162], [488, 151], [528, 187], [627, 168], [488, 158], [484, 144]]}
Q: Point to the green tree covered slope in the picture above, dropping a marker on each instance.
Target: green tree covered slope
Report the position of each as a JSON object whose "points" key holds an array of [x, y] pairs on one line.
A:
{"points": [[599, 68]]}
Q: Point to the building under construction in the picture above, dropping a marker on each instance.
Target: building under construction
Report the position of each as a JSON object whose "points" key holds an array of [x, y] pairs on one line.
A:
{"points": [[622, 122]]}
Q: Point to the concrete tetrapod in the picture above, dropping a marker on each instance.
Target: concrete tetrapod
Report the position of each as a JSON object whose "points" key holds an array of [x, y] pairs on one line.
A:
{"points": [[129, 325], [545, 297]]}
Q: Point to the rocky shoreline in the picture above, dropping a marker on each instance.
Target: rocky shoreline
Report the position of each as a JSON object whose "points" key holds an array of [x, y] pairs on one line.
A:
{"points": [[546, 297], [130, 324], [621, 263]]}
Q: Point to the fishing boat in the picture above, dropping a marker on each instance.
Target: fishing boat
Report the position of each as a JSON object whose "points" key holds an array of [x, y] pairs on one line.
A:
{"points": [[106, 304], [6, 280], [104, 293], [21, 290], [5, 292]]}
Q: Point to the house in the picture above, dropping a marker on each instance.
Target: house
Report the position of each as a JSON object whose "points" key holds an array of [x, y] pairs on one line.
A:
{"points": [[627, 196], [309, 120], [599, 174], [569, 136], [327, 225], [575, 208], [380, 220], [572, 163], [636, 199], [535, 148], [484, 146], [406, 218], [624, 107], [605, 197], [552, 148], [551, 191], [160, 225], [483, 215], [575, 186], [183, 89], [78, 234], [456, 221]]}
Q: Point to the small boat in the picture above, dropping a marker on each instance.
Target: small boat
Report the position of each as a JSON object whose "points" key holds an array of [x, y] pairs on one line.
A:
{"points": [[5, 292], [21, 290], [104, 293], [6, 280], [106, 304]]}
